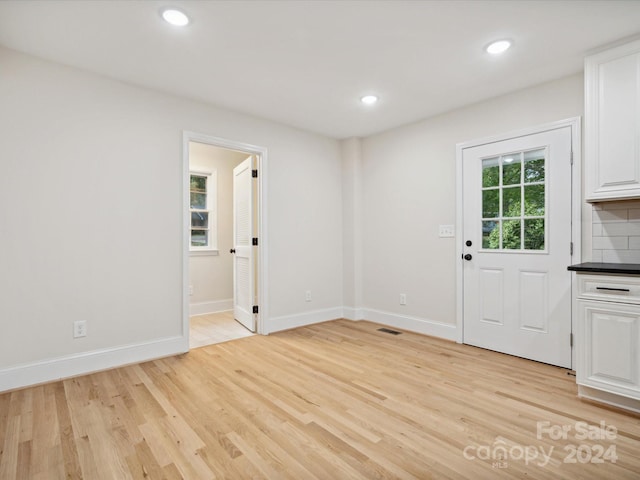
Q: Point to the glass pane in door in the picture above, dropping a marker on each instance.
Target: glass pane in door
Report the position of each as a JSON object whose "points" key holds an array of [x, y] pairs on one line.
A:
{"points": [[534, 166], [511, 235], [514, 205], [534, 200], [491, 203], [534, 234], [491, 234], [511, 166], [491, 172]]}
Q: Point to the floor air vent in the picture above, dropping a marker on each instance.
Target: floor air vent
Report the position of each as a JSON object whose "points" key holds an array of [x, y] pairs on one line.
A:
{"points": [[388, 330]]}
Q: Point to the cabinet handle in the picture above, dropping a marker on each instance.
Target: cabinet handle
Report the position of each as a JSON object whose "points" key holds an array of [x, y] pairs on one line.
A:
{"points": [[613, 289]]}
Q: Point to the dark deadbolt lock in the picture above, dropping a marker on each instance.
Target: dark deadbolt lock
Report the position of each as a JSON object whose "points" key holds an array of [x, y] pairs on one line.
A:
{"points": [[468, 243]]}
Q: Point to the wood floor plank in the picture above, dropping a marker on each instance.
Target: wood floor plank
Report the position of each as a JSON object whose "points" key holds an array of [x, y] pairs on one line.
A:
{"points": [[333, 400], [215, 328], [10, 448]]}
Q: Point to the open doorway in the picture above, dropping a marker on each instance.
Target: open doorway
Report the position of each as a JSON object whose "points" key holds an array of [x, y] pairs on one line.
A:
{"points": [[219, 287]]}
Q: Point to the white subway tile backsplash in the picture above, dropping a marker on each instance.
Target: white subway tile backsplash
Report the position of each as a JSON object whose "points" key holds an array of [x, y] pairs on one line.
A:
{"points": [[611, 243], [604, 216], [596, 256], [614, 229], [616, 232], [621, 256], [621, 205], [634, 243], [634, 214], [633, 228], [596, 229]]}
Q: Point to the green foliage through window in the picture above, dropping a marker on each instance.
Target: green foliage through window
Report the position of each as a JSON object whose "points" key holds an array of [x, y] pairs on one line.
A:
{"points": [[508, 181]]}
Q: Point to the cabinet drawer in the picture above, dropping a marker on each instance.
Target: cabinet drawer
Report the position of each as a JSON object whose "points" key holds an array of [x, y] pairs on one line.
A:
{"points": [[610, 288]]}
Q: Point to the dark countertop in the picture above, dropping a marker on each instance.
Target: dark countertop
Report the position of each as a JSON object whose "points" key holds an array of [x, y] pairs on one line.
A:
{"points": [[620, 268]]}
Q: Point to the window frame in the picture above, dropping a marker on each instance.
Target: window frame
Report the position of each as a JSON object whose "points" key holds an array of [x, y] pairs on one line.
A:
{"points": [[211, 191]]}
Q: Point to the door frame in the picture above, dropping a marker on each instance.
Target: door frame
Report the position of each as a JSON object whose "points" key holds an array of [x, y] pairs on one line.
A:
{"points": [[576, 206], [262, 292]]}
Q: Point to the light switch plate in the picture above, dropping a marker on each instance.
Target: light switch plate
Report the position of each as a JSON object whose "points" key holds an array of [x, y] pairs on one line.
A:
{"points": [[447, 231]]}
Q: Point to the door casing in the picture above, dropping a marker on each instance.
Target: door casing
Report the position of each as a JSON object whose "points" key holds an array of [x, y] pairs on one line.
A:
{"points": [[262, 293], [576, 207]]}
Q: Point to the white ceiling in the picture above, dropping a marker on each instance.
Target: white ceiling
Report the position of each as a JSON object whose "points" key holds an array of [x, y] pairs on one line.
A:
{"points": [[307, 63]]}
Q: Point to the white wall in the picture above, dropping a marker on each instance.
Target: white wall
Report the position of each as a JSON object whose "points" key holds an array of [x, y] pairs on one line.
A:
{"points": [[409, 189], [352, 227], [211, 276], [91, 215], [91, 219]]}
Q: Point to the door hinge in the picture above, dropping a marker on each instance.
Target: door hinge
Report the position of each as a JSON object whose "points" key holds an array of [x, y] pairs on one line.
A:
{"points": [[254, 241], [571, 157], [571, 339], [255, 309], [570, 248], [254, 173]]}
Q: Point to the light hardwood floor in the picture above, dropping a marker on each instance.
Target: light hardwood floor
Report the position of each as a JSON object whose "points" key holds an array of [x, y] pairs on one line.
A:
{"points": [[338, 400], [215, 328]]}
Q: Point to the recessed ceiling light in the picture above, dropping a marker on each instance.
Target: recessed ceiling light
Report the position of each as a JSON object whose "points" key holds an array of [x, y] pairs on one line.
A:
{"points": [[496, 48], [369, 99], [175, 17]]}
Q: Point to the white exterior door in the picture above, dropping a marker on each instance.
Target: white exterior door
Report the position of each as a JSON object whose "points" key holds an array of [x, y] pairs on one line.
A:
{"points": [[517, 246], [243, 284]]}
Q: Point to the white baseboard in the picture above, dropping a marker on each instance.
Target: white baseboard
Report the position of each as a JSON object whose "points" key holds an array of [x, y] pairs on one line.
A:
{"points": [[288, 322], [216, 306], [609, 398], [87, 362], [412, 324], [353, 313]]}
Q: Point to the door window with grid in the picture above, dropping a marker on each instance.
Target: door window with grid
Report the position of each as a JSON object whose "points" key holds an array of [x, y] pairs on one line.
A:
{"points": [[514, 204]]}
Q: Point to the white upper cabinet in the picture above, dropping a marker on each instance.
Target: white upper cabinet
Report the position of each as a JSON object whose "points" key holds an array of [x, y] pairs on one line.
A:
{"points": [[612, 123]]}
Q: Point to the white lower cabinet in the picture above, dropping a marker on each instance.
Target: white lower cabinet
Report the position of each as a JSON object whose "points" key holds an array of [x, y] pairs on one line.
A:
{"points": [[607, 353], [607, 338]]}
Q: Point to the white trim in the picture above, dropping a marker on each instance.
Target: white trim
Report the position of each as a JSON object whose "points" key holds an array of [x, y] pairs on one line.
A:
{"points": [[288, 322], [204, 253], [609, 398], [262, 321], [412, 324], [204, 308], [350, 313], [19, 376], [576, 202]]}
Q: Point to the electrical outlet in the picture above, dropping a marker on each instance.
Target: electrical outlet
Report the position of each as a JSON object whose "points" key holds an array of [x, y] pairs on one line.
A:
{"points": [[79, 328], [307, 296], [190, 289], [403, 299], [446, 231]]}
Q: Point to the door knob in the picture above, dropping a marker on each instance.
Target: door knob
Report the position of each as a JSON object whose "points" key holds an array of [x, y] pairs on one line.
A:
{"points": [[468, 257], [233, 250]]}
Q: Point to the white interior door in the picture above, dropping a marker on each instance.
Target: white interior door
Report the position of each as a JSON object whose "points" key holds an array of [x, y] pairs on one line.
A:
{"points": [[243, 285], [517, 246]]}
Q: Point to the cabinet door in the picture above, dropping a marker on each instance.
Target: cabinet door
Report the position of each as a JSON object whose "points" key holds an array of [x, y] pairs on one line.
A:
{"points": [[607, 354], [612, 123]]}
